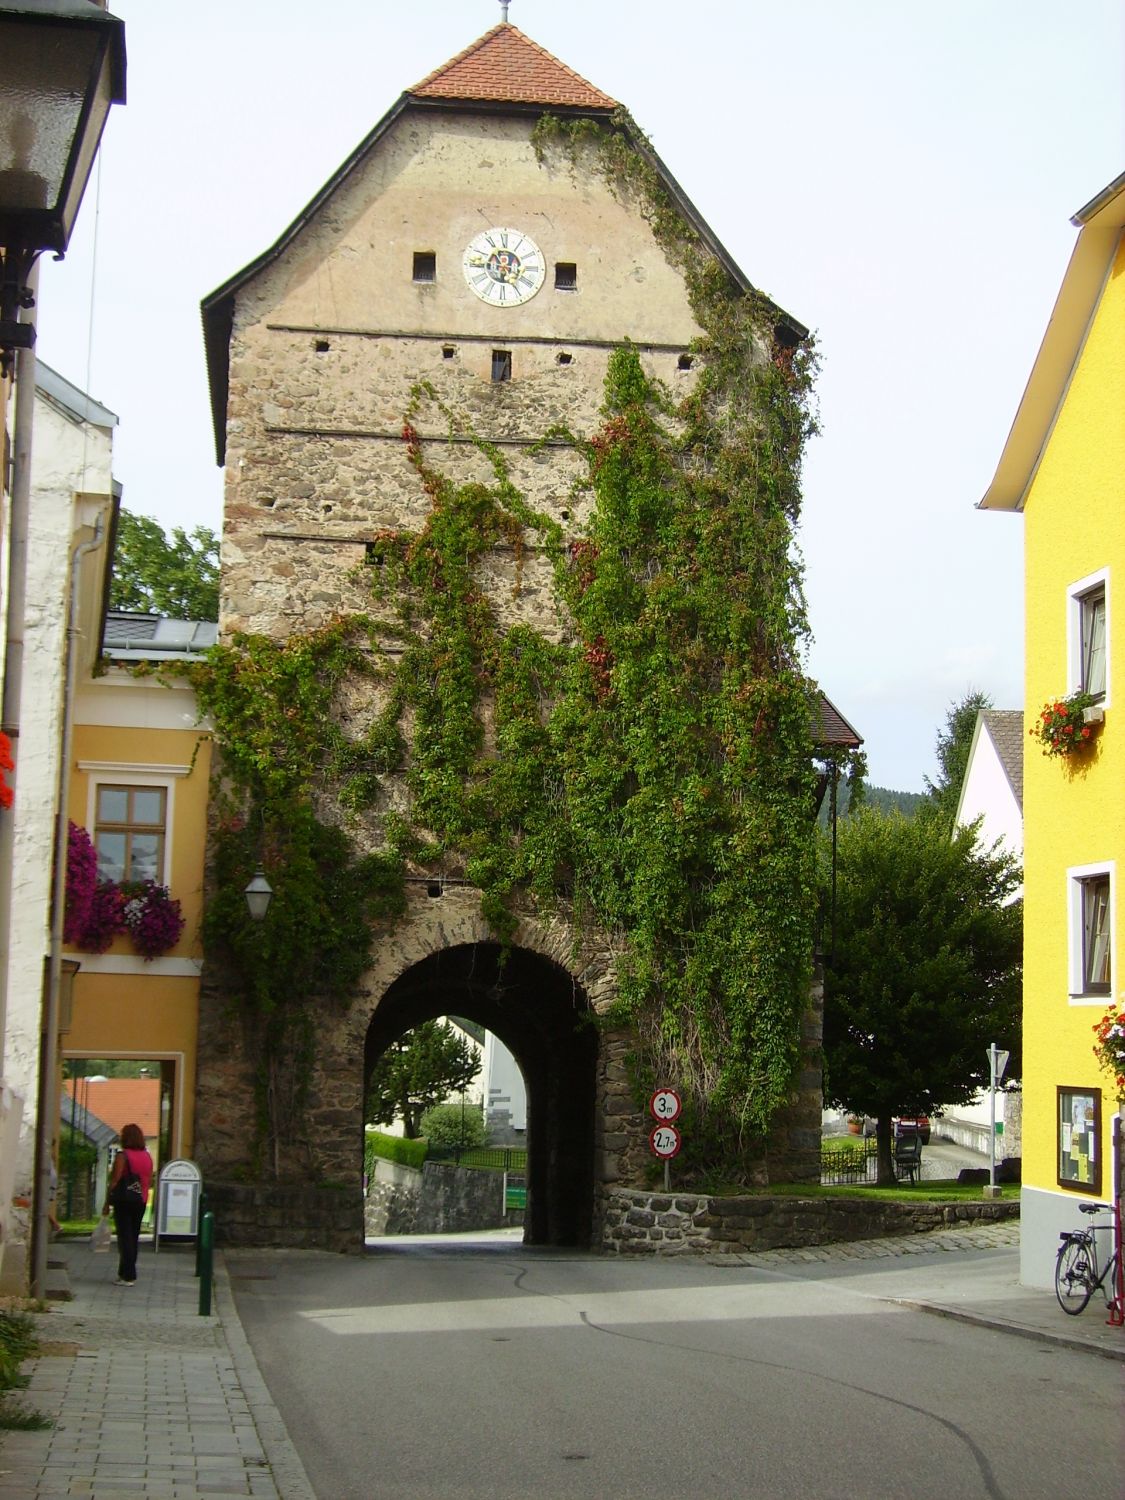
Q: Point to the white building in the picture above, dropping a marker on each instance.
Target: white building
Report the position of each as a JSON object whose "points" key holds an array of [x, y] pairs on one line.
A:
{"points": [[992, 792], [72, 508]]}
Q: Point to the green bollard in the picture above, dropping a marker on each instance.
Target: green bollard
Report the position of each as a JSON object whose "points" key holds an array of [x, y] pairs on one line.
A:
{"points": [[198, 1234], [206, 1256]]}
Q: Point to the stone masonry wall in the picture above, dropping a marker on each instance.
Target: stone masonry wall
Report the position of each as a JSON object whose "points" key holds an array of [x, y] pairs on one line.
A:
{"points": [[643, 1223], [330, 341], [297, 1217]]}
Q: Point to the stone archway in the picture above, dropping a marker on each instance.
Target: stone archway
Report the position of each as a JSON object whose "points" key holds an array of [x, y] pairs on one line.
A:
{"points": [[543, 1016]]}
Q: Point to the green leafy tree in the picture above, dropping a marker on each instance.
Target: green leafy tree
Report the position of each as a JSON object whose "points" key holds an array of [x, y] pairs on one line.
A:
{"points": [[177, 577], [420, 1070], [925, 971], [953, 745], [457, 1123]]}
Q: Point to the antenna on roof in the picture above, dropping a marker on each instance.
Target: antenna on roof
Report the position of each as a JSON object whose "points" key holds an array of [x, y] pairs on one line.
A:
{"points": [[504, 10]]}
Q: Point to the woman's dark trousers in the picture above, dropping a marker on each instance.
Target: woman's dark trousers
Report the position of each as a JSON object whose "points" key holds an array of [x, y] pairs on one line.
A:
{"points": [[127, 1222]]}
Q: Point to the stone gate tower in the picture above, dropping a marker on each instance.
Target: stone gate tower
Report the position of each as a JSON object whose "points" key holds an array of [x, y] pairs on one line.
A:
{"points": [[450, 276]]}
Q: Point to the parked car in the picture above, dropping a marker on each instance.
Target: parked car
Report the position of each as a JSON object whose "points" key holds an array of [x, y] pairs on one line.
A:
{"points": [[913, 1125]]}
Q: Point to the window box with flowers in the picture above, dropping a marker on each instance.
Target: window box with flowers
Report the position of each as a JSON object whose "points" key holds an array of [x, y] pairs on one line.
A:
{"points": [[1109, 1046], [1066, 726], [97, 911]]}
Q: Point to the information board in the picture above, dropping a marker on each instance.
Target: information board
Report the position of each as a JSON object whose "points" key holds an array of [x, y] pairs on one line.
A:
{"points": [[178, 1196]]}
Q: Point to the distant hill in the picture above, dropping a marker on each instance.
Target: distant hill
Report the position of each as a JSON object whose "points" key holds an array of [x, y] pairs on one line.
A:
{"points": [[885, 800], [879, 797]]}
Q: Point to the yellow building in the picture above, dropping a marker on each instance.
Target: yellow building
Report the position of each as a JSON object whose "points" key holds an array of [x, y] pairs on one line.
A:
{"points": [[139, 771], [1063, 466]]}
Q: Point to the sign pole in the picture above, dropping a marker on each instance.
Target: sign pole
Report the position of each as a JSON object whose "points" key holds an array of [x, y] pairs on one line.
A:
{"points": [[997, 1062], [992, 1119]]}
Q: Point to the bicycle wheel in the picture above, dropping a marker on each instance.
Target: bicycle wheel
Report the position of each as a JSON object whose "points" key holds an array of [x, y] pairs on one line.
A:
{"points": [[1074, 1277]]}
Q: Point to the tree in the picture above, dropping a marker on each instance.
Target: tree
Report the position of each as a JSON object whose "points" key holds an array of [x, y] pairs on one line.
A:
{"points": [[420, 1070], [176, 578], [925, 971], [457, 1124], [953, 745]]}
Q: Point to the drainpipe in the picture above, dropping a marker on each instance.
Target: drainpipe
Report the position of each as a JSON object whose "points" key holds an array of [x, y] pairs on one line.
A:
{"points": [[18, 520], [48, 1116]]}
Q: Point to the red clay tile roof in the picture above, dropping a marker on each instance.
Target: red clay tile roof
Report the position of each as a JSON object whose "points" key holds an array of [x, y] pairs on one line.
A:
{"points": [[506, 66], [120, 1101], [830, 729]]}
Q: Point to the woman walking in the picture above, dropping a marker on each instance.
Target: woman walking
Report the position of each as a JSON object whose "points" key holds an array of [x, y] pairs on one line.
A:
{"points": [[127, 1195]]}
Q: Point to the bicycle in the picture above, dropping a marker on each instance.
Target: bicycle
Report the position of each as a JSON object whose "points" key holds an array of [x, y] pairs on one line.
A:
{"points": [[1077, 1272]]}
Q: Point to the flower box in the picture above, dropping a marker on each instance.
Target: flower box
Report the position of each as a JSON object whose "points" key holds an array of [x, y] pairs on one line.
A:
{"points": [[1062, 727]]}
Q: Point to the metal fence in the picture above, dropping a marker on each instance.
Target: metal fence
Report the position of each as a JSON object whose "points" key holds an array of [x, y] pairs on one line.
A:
{"points": [[496, 1158], [854, 1162]]}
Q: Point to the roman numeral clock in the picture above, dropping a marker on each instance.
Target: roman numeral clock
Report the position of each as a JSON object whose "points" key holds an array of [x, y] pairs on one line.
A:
{"points": [[503, 267]]}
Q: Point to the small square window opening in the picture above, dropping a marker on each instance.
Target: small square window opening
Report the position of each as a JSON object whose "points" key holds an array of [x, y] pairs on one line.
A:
{"points": [[684, 362], [447, 351], [425, 265], [563, 358], [501, 364], [566, 276]]}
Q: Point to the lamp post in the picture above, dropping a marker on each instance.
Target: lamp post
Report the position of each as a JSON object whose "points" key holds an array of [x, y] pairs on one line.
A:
{"points": [[259, 894]]}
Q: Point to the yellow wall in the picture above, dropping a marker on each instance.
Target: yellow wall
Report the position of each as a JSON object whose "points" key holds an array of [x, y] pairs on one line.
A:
{"points": [[157, 747], [142, 1010], [1074, 811]]}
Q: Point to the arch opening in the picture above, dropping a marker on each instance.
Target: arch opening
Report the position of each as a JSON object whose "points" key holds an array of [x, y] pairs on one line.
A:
{"points": [[542, 1015]]}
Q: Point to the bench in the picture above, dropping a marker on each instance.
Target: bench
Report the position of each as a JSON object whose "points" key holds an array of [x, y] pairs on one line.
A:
{"points": [[908, 1157]]}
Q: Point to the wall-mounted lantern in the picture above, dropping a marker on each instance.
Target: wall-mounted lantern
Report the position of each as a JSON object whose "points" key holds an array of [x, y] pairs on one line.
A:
{"points": [[62, 64], [259, 894]]}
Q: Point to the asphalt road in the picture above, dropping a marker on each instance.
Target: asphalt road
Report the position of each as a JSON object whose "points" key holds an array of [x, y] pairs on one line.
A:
{"points": [[459, 1372]]}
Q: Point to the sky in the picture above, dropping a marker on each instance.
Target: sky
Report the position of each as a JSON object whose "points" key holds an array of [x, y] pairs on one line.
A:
{"points": [[897, 174]]}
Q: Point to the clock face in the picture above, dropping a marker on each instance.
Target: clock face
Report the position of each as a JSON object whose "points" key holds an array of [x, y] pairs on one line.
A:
{"points": [[504, 267]]}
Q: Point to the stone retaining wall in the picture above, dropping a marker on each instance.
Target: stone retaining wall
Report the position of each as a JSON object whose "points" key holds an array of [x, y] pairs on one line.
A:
{"points": [[442, 1198], [643, 1223], [393, 1191]]}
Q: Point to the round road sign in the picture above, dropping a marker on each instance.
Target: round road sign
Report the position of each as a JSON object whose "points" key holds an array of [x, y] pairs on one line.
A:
{"points": [[665, 1106], [665, 1141]]}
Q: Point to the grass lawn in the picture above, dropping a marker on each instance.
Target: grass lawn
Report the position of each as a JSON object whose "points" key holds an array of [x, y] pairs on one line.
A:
{"points": [[943, 1190], [835, 1145], [71, 1229]]}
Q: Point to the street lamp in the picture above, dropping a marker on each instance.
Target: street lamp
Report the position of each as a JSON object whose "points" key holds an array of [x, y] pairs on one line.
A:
{"points": [[62, 64], [259, 894]]}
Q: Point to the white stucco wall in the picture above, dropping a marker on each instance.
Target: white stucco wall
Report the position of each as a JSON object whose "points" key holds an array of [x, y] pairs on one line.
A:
{"points": [[988, 795], [504, 1087], [71, 485]]}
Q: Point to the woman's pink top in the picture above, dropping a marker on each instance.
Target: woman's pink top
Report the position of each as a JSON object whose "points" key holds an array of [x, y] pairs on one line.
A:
{"points": [[140, 1162]]}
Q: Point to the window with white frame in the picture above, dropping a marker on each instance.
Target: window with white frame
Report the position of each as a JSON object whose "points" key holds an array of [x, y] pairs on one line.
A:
{"points": [[130, 824], [1089, 636], [1091, 930]]}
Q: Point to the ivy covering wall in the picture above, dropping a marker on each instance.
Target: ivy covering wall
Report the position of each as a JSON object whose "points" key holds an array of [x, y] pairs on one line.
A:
{"points": [[651, 775]]}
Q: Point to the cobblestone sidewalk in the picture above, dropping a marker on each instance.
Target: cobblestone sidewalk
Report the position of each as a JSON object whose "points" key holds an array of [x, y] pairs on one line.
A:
{"points": [[988, 1235], [147, 1398]]}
